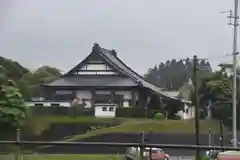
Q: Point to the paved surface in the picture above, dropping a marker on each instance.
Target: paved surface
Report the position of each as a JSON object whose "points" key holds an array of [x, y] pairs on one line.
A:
{"points": [[182, 158]]}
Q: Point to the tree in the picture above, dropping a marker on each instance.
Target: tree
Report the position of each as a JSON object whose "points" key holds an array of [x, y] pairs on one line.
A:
{"points": [[13, 110], [173, 74], [217, 88], [30, 82], [172, 107], [154, 102]]}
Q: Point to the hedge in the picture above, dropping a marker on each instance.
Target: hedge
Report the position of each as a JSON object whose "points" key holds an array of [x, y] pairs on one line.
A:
{"points": [[66, 111], [135, 112], [58, 111]]}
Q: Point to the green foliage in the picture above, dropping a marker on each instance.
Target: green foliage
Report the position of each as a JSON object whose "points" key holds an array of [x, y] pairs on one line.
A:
{"points": [[12, 69], [154, 102], [159, 116], [27, 82], [172, 107], [135, 112], [30, 83], [13, 110], [217, 88], [173, 74]]}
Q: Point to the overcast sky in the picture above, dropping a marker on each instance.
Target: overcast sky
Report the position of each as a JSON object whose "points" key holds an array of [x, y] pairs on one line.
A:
{"points": [[61, 33]]}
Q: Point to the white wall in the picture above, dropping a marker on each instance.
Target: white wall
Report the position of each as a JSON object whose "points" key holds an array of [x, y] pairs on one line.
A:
{"points": [[84, 94], [48, 104], [188, 112], [126, 94], [98, 111], [94, 69], [90, 67]]}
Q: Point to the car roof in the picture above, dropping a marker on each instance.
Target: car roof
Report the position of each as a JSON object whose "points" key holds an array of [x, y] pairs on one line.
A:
{"points": [[147, 148]]}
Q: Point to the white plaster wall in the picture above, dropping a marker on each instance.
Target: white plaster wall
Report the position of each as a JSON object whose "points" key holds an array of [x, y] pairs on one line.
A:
{"points": [[100, 113], [103, 92], [96, 67], [126, 94], [62, 104], [48, 104], [84, 94], [93, 67], [88, 104], [98, 73], [187, 113], [126, 104]]}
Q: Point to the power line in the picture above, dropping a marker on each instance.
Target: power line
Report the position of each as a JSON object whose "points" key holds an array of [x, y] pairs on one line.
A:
{"points": [[215, 57]]}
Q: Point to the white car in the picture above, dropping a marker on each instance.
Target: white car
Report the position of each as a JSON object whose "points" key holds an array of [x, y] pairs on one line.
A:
{"points": [[233, 155]]}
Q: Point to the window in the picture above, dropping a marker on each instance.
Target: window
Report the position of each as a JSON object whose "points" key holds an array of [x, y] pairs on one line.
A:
{"points": [[130, 103], [104, 109], [55, 104], [111, 109], [38, 104]]}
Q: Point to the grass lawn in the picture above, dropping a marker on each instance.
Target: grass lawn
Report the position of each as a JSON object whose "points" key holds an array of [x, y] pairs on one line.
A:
{"points": [[164, 126], [66, 119], [127, 125], [64, 157]]}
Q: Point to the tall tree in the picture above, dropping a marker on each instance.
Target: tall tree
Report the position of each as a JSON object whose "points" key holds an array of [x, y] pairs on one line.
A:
{"points": [[174, 74]]}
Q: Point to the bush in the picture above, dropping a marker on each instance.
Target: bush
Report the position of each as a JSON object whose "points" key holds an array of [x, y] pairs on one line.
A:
{"points": [[159, 116], [135, 112], [58, 111], [177, 117]]}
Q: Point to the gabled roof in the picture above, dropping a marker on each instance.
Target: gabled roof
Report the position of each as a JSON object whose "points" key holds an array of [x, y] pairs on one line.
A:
{"points": [[112, 59]]}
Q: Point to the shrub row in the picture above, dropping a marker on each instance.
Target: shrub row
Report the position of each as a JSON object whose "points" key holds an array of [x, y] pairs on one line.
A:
{"points": [[135, 112], [58, 111], [65, 111]]}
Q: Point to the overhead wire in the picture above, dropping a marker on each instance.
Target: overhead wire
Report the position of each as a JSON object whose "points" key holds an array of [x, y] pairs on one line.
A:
{"points": [[214, 57]]}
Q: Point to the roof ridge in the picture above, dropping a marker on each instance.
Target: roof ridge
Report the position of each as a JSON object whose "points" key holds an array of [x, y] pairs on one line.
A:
{"points": [[123, 63], [109, 51]]}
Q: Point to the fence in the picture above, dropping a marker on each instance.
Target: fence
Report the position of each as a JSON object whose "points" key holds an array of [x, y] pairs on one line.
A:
{"points": [[142, 145]]}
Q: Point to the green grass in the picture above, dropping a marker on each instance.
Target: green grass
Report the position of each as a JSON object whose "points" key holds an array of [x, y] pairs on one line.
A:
{"points": [[138, 125], [127, 125], [64, 157], [67, 120], [164, 126]]}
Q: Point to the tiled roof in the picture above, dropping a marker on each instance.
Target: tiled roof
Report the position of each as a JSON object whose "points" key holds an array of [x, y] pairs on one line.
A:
{"points": [[93, 81], [132, 78]]}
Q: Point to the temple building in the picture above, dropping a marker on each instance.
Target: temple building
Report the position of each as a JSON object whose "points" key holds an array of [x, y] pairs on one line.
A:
{"points": [[101, 78]]}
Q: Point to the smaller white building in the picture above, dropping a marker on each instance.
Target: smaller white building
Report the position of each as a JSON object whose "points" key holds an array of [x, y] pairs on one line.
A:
{"points": [[105, 110]]}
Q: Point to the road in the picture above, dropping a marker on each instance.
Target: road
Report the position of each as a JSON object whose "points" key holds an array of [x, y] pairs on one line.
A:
{"points": [[182, 158]]}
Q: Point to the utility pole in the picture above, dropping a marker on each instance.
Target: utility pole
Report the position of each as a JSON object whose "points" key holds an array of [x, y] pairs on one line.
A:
{"points": [[235, 24], [196, 103], [221, 133]]}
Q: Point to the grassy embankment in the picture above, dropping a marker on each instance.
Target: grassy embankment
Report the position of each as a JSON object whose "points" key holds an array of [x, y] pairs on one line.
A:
{"points": [[164, 126], [129, 125], [125, 125]]}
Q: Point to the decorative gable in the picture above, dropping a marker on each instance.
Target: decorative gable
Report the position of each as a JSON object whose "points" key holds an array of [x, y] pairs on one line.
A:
{"points": [[94, 64], [91, 68]]}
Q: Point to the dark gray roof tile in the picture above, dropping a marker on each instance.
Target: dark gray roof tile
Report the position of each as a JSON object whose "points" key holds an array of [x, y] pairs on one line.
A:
{"points": [[93, 81]]}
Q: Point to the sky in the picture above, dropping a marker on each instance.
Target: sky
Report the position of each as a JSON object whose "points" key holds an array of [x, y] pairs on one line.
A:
{"points": [[61, 33]]}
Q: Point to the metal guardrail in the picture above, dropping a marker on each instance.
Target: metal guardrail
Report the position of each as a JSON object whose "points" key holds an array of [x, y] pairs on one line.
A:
{"points": [[113, 144], [142, 144]]}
